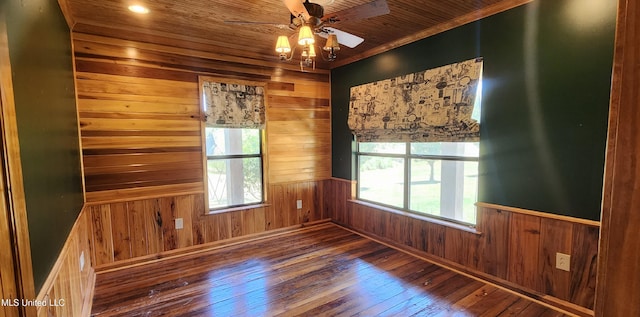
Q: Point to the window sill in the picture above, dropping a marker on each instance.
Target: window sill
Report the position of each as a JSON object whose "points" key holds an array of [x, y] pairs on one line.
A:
{"points": [[461, 227], [240, 208]]}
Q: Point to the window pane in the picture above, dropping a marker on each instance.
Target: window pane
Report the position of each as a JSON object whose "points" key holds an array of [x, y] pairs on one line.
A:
{"points": [[386, 148], [466, 149], [444, 188], [222, 141], [381, 180], [234, 182], [425, 186]]}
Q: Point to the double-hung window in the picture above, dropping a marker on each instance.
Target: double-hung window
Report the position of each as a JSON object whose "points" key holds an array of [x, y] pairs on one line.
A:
{"points": [[234, 167]]}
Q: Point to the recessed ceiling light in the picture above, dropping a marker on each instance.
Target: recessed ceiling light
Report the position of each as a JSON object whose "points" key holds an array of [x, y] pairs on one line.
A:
{"points": [[138, 9]]}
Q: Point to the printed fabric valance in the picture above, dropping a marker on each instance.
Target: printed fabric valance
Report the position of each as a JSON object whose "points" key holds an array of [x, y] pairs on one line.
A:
{"points": [[233, 105], [427, 106]]}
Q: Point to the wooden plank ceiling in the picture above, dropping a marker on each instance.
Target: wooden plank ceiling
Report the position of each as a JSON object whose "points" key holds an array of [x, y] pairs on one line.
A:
{"points": [[199, 24]]}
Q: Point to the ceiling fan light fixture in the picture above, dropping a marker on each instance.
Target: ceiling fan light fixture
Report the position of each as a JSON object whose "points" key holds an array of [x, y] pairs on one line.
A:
{"points": [[283, 46], [332, 43], [305, 36]]}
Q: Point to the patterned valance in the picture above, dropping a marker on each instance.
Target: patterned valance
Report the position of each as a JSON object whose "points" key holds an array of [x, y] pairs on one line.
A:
{"points": [[427, 106], [233, 104]]}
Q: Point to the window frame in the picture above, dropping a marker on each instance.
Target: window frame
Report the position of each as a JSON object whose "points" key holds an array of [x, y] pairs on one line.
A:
{"points": [[203, 147], [407, 156], [260, 155]]}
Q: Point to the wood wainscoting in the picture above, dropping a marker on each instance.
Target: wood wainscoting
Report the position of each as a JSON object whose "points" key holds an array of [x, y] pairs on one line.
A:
{"points": [[68, 290], [134, 229], [510, 247]]}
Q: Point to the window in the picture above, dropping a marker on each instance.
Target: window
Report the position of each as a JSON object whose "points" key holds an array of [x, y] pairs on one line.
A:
{"points": [[234, 167], [437, 178]]}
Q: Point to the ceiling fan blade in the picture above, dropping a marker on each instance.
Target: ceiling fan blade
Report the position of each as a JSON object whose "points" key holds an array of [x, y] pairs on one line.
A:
{"points": [[278, 25], [297, 8], [344, 38], [363, 11]]}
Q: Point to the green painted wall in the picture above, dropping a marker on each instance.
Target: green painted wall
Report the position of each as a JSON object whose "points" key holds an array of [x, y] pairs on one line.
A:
{"points": [[40, 53], [546, 81]]}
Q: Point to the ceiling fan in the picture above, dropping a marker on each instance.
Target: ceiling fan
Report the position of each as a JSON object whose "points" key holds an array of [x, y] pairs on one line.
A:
{"points": [[308, 14]]}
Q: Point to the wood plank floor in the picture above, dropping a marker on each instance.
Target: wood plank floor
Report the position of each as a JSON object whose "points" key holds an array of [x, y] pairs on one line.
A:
{"points": [[322, 270]]}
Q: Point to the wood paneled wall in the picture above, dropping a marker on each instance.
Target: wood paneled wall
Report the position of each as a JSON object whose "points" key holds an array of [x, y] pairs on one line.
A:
{"points": [[126, 230], [619, 277], [68, 291], [140, 122], [514, 247]]}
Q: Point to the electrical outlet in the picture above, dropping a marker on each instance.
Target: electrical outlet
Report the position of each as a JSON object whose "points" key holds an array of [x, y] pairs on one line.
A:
{"points": [[179, 223], [299, 203], [82, 261], [563, 261]]}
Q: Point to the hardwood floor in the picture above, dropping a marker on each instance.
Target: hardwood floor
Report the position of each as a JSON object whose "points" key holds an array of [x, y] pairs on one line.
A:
{"points": [[322, 270]]}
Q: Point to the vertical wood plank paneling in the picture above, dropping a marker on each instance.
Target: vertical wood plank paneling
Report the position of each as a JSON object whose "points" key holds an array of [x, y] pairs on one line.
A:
{"points": [[277, 198], [495, 241], [235, 218], [393, 227], [84, 237], [288, 205], [417, 234], [167, 215], [305, 191], [259, 220], [102, 241], [184, 208], [247, 221], [270, 217], [69, 286], [584, 257], [224, 227], [120, 232], [137, 229], [62, 289], [523, 251], [458, 246], [435, 240], [555, 236], [368, 215], [153, 225]]}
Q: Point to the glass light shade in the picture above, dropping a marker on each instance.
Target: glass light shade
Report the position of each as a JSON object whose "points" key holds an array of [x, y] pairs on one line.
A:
{"points": [[309, 51], [305, 37], [312, 51], [282, 46], [332, 43]]}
